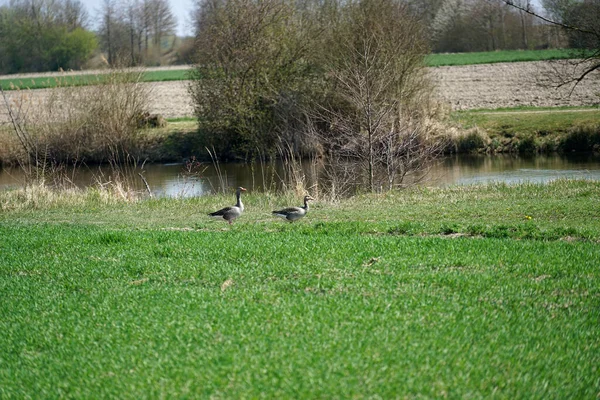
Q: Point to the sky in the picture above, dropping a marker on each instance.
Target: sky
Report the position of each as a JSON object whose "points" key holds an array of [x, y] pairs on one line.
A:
{"points": [[182, 9]]}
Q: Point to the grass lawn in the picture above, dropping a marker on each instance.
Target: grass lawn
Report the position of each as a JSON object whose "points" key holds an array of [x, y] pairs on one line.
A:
{"points": [[476, 292]]}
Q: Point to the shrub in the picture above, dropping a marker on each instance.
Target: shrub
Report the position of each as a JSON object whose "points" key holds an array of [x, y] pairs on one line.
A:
{"points": [[581, 138], [470, 142], [95, 123], [351, 74], [527, 145]]}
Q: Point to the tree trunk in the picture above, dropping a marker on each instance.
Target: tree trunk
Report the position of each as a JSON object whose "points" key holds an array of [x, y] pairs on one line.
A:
{"points": [[371, 163], [132, 44], [109, 44], [524, 31]]}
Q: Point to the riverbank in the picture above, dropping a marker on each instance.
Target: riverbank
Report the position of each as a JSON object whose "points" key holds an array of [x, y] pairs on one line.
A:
{"points": [[506, 131], [462, 292], [474, 93], [522, 131], [527, 130], [512, 130]]}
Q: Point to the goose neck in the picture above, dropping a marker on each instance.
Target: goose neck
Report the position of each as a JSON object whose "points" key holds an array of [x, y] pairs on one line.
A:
{"points": [[239, 201]]}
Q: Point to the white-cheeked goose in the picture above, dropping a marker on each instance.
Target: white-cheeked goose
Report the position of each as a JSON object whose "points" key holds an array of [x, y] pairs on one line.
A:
{"points": [[294, 213], [231, 213]]}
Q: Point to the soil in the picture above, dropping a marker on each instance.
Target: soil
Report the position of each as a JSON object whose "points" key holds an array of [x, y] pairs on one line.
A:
{"points": [[515, 85], [462, 87]]}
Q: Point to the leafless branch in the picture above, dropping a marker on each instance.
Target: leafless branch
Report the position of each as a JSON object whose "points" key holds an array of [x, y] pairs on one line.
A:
{"points": [[529, 11]]}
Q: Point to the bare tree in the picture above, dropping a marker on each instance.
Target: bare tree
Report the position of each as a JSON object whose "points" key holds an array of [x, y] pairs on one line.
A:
{"points": [[375, 62], [162, 20], [74, 14], [580, 19], [355, 79], [129, 30], [134, 20], [523, 16], [108, 34]]}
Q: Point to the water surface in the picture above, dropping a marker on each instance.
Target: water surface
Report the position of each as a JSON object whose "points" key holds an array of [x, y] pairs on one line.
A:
{"points": [[181, 180]]}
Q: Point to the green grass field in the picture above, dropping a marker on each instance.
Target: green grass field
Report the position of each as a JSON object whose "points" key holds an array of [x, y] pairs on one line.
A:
{"points": [[433, 60], [82, 80], [489, 57], [477, 292]]}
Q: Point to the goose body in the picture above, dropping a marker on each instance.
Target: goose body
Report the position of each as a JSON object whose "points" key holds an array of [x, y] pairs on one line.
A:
{"points": [[229, 214], [292, 214]]}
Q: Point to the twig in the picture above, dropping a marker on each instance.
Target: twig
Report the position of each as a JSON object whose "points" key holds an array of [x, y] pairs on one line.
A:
{"points": [[146, 183], [528, 11]]}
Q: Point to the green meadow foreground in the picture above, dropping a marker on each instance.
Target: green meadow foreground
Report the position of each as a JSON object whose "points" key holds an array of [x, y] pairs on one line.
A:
{"points": [[477, 292]]}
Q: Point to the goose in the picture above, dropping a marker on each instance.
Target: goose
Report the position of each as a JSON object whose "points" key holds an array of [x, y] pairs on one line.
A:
{"points": [[231, 213], [294, 213]]}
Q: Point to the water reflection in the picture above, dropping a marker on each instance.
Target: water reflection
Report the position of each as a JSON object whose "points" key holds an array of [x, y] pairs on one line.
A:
{"points": [[175, 180], [474, 169]]}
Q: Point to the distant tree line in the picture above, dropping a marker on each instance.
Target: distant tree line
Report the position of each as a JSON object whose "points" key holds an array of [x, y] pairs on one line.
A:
{"points": [[133, 32], [579, 20], [44, 36], [483, 25], [47, 35]]}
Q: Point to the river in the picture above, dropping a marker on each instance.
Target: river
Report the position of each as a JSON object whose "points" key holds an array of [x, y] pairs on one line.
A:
{"points": [[175, 180]]}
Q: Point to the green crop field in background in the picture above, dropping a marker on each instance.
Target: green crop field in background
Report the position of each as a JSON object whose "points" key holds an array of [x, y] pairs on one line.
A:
{"points": [[488, 57], [81, 80], [432, 60]]}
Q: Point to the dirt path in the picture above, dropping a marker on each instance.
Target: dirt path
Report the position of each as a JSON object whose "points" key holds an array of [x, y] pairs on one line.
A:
{"points": [[462, 87]]}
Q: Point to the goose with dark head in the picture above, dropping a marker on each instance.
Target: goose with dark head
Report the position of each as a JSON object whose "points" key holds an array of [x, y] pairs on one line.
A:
{"points": [[229, 214], [292, 214]]}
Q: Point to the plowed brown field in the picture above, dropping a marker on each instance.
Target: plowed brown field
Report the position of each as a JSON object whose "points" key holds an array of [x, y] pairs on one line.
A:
{"points": [[462, 87], [513, 85]]}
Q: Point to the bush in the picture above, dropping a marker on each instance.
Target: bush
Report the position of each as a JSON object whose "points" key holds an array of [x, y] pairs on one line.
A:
{"points": [[472, 141], [96, 123], [30, 43], [527, 145], [581, 138]]}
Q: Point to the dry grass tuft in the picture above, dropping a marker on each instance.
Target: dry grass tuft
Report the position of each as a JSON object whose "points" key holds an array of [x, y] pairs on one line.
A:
{"points": [[42, 196], [88, 124]]}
